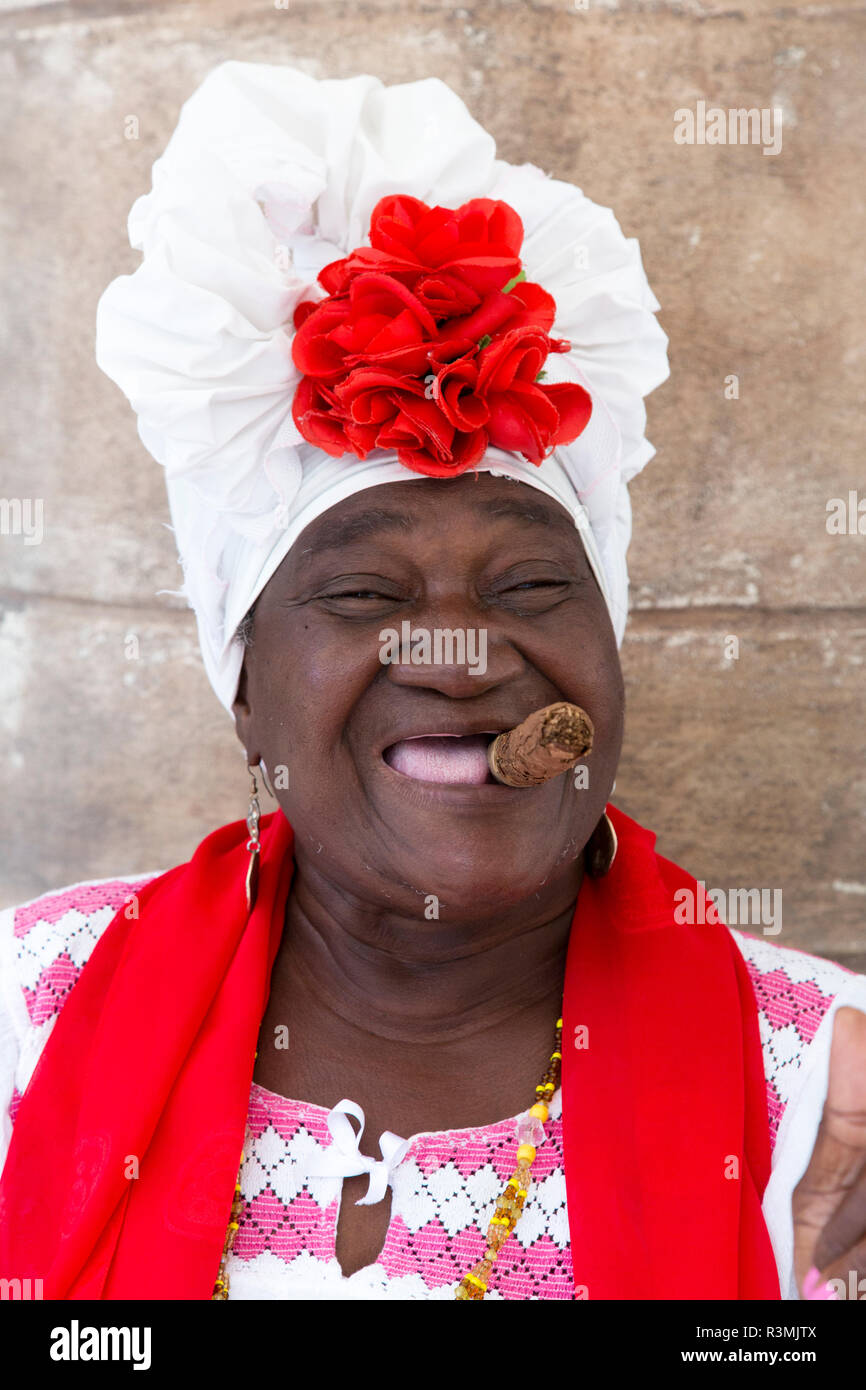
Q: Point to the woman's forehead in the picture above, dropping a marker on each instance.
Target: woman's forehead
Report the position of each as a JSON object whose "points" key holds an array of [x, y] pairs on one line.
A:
{"points": [[423, 503]]}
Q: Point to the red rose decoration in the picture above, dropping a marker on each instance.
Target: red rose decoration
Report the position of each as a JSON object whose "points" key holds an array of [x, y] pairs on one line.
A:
{"points": [[432, 343]]}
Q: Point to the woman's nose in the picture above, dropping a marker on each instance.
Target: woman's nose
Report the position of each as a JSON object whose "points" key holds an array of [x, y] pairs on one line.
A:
{"points": [[456, 661]]}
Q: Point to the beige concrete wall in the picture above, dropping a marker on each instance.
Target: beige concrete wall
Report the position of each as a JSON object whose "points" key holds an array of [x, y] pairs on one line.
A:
{"points": [[750, 769]]}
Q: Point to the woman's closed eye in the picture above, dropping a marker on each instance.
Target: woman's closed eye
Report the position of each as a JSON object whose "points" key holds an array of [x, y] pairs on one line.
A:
{"points": [[532, 591], [356, 593], [537, 584], [359, 596]]}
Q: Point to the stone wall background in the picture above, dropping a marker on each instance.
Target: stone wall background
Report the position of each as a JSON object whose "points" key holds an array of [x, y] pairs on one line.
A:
{"points": [[751, 770]]}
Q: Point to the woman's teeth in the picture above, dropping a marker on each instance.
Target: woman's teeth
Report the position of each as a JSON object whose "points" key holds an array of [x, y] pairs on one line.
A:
{"points": [[461, 761]]}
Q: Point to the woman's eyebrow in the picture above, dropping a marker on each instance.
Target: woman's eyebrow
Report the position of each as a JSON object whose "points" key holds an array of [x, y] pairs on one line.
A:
{"points": [[339, 531], [336, 532], [520, 510]]}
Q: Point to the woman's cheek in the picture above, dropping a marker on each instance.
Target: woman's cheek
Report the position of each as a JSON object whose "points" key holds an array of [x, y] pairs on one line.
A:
{"points": [[303, 663], [604, 694], [308, 694], [608, 703], [333, 676]]}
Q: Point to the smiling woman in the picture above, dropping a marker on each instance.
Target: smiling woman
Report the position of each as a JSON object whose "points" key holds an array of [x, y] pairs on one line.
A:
{"points": [[414, 824], [425, 427]]}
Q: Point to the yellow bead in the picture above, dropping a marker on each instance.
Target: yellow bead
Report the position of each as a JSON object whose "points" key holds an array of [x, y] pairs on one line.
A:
{"points": [[539, 1111], [557, 1054], [526, 1151], [559, 1023]]}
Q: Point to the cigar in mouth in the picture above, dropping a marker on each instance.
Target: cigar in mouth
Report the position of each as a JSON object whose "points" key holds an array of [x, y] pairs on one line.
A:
{"points": [[548, 742]]}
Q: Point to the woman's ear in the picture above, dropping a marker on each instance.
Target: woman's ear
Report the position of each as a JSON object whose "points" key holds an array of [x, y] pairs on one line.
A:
{"points": [[244, 718]]}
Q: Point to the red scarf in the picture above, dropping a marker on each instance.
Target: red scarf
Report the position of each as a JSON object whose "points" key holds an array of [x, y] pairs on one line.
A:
{"points": [[126, 1145]]}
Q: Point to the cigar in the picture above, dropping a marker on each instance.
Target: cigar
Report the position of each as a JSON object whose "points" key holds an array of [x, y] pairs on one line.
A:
{"points": [[548, 742]]}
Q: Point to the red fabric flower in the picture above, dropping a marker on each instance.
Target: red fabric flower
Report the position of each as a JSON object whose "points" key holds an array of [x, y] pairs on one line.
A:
{"points": [[432, 343]]}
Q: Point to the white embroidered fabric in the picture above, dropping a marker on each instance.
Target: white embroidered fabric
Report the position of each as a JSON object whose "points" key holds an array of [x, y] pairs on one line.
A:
{"points": [[443, 1185]]}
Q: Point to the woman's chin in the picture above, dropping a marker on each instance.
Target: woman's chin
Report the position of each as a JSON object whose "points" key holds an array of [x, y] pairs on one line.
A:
{"points": [[478, 885]]}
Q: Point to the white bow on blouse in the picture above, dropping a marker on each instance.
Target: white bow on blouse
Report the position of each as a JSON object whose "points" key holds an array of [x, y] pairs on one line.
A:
{"points": [[343, 1158]]}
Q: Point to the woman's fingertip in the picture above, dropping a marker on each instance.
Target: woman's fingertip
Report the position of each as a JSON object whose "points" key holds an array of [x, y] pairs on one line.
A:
{"points": [[817, 1290], [811, 1282]]}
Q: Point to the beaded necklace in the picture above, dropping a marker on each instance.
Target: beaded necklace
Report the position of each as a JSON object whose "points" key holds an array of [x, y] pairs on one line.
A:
{"points": [[509, 1205]]}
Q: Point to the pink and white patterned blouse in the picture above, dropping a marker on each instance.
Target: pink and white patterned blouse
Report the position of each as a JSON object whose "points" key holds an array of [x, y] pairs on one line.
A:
{"points": [[443, 1185]]}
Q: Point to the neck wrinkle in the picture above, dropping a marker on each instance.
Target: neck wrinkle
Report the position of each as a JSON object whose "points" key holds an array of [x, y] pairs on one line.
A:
{"points": [[355, 961]]}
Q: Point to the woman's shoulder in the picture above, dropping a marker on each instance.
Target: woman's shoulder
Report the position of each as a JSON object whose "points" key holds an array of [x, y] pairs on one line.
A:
{"points": [[46, 942], [796, 994], [44, 945], [793, 987]]}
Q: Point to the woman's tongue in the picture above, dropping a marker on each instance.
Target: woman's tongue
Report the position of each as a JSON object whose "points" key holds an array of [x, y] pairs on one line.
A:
{"points": [[459, 760]]}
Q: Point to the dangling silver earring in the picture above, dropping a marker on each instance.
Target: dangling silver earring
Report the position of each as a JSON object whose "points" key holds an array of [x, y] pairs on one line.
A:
{"points": [[253, 844], [601, 848]]}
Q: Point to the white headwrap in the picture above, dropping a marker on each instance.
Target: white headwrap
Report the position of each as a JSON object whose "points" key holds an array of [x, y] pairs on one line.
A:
{"points": [[268, 177]]}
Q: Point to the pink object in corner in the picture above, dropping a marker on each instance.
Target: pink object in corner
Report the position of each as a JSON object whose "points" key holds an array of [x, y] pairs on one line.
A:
{"points": [[813, 1288]]}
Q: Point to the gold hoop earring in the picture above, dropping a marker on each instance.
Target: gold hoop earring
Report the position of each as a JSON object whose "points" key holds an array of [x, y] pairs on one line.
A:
{"points": [[601, 848], [254, 813]]}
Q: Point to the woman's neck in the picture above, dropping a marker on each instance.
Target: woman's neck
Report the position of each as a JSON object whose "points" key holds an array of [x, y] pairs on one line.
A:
{"points": [[408, 979], [428, 1025]]}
